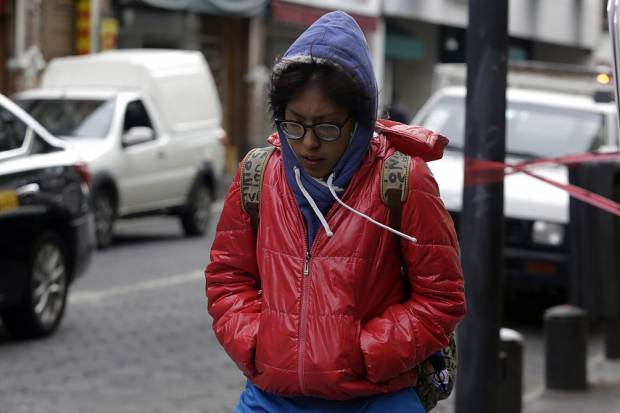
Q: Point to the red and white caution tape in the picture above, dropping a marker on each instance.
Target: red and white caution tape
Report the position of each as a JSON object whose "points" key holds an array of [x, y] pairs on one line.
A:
{"points": [[482, 172]]}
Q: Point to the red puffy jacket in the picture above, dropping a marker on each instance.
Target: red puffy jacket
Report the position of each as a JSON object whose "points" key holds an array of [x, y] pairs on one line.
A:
{"points": [[329, 322]]}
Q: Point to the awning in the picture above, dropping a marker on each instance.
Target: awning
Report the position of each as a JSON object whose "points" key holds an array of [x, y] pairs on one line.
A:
{"points": [[241, 8], [303, 16]]}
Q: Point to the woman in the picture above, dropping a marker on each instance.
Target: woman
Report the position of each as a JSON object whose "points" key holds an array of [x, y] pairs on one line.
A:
{"points": [[310, 306]]}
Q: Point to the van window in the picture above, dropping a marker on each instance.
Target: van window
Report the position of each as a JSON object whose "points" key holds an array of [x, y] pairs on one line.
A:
{"points": [[532, 130], [72, 117], [136, 115]]}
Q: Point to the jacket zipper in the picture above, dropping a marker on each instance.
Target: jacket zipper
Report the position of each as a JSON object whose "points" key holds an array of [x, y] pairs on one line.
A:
{"points": [[303, 321]]}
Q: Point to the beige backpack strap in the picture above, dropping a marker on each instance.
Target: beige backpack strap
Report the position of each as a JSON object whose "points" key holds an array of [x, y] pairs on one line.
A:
{"points": [[395, 178], [251, 177]]}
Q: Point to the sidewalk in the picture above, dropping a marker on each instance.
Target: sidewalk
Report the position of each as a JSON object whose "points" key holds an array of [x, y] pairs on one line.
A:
{"points": [[602, 395]]}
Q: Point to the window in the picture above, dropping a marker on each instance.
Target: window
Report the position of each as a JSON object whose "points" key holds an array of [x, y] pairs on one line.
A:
{"points": [[72, 117], [12, 131], [136, 115], [532, 130]]}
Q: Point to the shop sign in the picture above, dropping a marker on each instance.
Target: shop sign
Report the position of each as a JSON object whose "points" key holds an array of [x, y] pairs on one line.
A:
{"points": [[109, 33]]}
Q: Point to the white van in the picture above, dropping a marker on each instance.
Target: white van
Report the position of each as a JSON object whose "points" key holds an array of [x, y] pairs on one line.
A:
{"points": [[539, 124], [149, 125]]}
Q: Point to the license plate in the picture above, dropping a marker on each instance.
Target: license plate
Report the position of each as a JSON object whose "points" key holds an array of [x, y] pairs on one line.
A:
{"points": [[8, 201]]}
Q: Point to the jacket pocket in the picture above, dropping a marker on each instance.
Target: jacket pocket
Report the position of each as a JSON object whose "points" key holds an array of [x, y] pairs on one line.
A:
{"points": [[276, 344]]}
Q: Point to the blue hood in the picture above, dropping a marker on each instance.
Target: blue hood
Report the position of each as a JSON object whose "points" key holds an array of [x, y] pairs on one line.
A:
{"points": [[334, 39]]}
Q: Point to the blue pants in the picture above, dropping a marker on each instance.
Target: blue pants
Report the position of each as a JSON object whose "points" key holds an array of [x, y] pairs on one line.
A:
{"points": [[254, 400]]}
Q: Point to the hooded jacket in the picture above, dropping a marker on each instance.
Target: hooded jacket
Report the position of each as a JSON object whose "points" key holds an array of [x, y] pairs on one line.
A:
{"points": [[328, 321], [323, 316]]}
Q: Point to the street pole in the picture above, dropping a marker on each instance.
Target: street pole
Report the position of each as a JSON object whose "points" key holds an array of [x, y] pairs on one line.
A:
{"points": [[482, 223]]}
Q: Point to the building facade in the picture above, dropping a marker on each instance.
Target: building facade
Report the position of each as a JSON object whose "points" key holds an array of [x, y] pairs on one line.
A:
{"points": [[242, 39], [420, 33]]}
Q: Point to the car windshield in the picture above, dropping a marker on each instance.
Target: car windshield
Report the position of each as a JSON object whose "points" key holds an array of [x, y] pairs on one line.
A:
{"points": [[532, 130], [72, 117]]}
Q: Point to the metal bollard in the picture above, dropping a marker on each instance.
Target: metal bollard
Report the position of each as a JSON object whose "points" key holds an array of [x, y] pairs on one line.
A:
{"points": [[612, 338], [511, 362], [566, 329]]}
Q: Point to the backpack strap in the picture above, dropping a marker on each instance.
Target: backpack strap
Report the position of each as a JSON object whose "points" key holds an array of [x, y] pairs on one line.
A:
{"points": [[436, 374], [252, 170], [394, 188], [394, 177]]}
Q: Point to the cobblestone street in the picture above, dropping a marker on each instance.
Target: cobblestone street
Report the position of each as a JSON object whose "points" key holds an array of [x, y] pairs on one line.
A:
{"points": [[140, 351]]}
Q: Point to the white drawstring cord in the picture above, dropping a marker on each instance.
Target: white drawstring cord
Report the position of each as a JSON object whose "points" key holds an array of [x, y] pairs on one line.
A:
{"points": [[333, 192], [323, 183], [312, 203]]}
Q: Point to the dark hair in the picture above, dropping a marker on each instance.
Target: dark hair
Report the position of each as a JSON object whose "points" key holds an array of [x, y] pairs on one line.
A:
{"points": [[333, 82]]}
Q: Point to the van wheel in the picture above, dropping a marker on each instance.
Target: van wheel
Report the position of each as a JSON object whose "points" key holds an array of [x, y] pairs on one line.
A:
{"points": [[45, 296], [105, 214], [195, 217]]}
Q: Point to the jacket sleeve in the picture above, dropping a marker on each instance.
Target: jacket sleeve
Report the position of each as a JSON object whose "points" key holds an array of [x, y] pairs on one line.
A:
{"points": [[406, 334], [233, 284]]}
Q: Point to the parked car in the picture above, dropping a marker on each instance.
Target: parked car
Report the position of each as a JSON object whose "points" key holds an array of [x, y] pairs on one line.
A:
{"points": [[538, 124], [46, 229], [148, 123]]}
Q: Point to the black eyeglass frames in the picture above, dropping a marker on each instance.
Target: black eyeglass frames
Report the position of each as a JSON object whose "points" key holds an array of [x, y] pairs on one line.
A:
{"points": [[325, 131]]}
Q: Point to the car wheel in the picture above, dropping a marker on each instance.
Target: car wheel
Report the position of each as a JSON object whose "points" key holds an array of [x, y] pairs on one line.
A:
{"points": [[45, 296], [105, 214], [195, 217]]}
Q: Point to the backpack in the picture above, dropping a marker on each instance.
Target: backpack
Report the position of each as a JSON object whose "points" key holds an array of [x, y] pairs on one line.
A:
{"points": [[436, 375]]}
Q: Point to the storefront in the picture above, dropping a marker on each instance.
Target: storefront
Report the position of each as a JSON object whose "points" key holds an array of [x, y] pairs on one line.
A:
{"points": [[410, 53], [220, 29]]}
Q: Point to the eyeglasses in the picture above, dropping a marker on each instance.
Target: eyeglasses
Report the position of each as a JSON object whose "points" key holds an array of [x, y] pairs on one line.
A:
{"points": [[327, 131]]}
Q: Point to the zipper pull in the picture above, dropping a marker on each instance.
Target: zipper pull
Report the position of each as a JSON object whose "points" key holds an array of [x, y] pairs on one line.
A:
{"points": [[307, 264]]}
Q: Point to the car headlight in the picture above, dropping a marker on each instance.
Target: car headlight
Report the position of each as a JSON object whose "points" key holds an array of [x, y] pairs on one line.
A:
{"points": [[548, 233]]}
